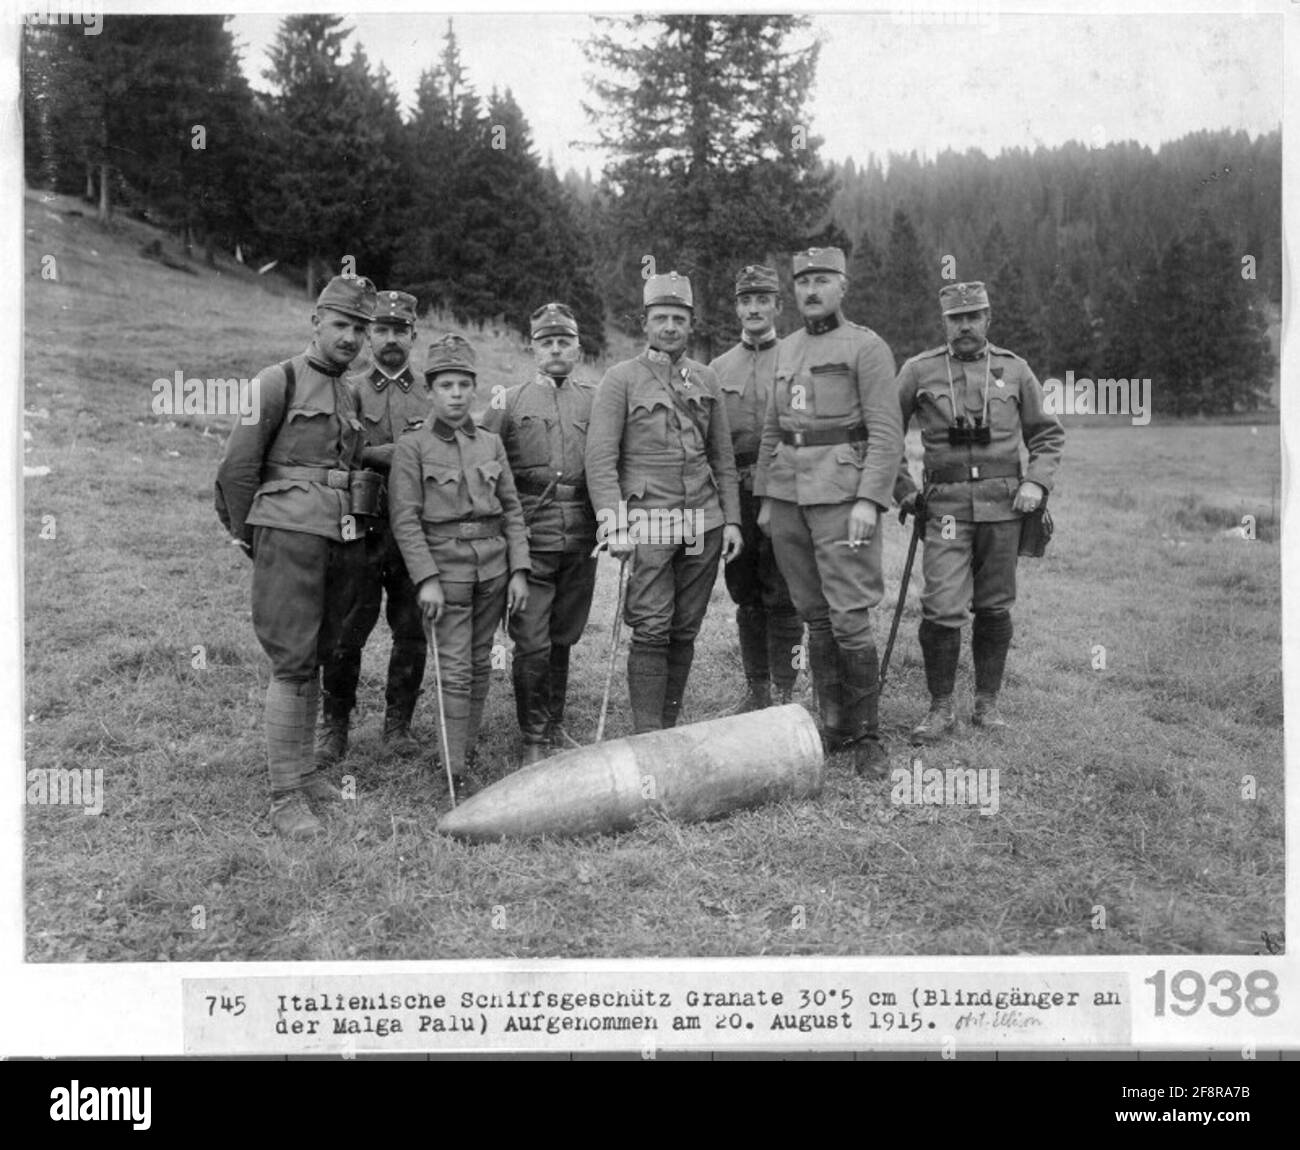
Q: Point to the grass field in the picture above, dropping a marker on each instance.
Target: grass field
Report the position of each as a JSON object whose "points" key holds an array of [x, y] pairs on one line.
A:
{"points": [[1124, 824]]}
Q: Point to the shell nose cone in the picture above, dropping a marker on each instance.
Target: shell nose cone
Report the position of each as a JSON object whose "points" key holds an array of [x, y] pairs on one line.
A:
{"points": [[700, 771]]}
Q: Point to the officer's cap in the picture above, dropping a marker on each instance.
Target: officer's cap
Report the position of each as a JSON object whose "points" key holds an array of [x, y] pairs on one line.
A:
{"points": [[352, 295], [954, 298], [671, 289], [757, 278], [553, 319], [818, 260], [395, 307], [450, 352]]}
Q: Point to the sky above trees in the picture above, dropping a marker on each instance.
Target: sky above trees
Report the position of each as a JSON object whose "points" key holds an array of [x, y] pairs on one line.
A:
{"points": [[893, 83]]}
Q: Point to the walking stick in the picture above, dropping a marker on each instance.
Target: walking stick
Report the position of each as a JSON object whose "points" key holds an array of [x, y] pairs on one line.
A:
{"points": [[918, 526], [613, 647], [442, 715]]}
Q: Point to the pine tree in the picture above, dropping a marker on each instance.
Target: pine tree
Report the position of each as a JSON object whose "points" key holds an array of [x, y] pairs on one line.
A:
{"points": [[1016, 323], [1068, 329], [706, 119], [864, 302], [910, 322]]}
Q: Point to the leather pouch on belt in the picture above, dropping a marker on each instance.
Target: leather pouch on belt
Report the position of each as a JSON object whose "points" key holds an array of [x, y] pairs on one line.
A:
{"points": [[365, 493]]}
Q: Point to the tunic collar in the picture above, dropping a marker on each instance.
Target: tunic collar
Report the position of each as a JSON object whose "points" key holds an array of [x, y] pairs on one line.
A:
{"points": [[970, 357], [763, 344], [654, 355], [380, 379], [315, 362], [444, 430], [823, 324]]}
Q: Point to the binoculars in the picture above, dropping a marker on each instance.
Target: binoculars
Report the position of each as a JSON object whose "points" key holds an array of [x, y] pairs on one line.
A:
{"points": [[964, 434]]}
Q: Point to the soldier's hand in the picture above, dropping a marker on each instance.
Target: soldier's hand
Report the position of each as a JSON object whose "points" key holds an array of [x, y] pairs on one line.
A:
{"points": [[1028, 498], [733, 542], [516, 593], [431, 599], [765, 518], [862, 522]]}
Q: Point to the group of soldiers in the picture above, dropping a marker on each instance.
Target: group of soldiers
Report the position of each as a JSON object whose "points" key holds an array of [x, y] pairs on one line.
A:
{"points": [[778, 458]]}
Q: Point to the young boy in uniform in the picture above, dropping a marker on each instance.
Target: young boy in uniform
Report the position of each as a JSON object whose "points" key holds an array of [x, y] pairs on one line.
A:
{"points": [[457, 519]]}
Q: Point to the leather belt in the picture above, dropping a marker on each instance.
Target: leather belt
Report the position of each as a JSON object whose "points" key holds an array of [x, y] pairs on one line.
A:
{"points": [[824, 438], [561, 492], [331, 476], [466, 528], [965, 474], [746, 458]]}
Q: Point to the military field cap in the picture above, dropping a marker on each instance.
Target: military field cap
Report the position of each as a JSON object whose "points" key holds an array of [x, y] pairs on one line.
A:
{"points": [[553, 319], [671, 289], [954, 298], [451, 352], [395, 307], [757, 278], [352, 295], [819, 260]]}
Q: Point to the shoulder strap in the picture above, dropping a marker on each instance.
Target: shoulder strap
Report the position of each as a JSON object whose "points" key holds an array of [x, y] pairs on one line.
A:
{"points": [[290, 383]]}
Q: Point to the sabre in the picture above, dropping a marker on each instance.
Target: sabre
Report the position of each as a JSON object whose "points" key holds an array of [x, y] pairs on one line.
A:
{"points": [[442, 717], [613, 647], [918, 525]]}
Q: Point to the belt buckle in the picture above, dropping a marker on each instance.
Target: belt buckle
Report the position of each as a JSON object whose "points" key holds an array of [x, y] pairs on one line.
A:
{"points": [[338, 478], [798, 439], [975, 471]]}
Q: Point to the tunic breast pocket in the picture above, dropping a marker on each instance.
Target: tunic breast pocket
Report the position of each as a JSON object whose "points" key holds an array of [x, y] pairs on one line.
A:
{"points": [[441, 482], [534, 444], [308, 435], [933, 408], [1004, 410], [835, 392], [647, 423]]}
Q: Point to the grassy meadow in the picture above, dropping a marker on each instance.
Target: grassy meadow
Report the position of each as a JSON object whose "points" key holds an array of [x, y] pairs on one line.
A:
{"points": [[1122, 826]]}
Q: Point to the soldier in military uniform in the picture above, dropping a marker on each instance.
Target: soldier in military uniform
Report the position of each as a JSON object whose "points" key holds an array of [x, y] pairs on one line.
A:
{"points": [[975, 403], [543, 424], [660, 472], [831, 441], [392, 401], [458, 521], [283, 489], [770, 627]]}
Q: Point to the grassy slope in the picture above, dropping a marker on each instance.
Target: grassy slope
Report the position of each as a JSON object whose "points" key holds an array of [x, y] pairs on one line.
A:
{"points": [[1119, 788]]}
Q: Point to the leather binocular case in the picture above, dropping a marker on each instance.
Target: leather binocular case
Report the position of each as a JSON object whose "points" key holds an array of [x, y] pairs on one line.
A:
{"points": [[366, 493], [1036, 532], [962, 434]]}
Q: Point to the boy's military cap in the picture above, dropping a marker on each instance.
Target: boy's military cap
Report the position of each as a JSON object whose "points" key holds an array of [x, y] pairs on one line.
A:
{"points": [[351, 295], [671, 289], [395, 307], [954, 298], [553, 319], [819, 260], [450, 353], [757, 278]]}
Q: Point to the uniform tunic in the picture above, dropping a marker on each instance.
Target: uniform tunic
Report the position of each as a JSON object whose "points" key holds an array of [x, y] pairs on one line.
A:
{"points": [[390, 405], [745, 376], [305, 575], [659, 442], [442, 476], [972, 533], [831, 376], [543, 424]]}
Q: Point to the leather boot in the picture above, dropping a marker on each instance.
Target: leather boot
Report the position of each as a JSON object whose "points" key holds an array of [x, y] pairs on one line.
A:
{"points": [[405, 673], [287, 719], [559, 694], [647, 682], [784, 635], [332, 736], [940, 648], [456, 710], [397, 735], [823, 660], [751, 624], [680, 656], [530, 674], [315, 785], [478, 693], [860, 694], [990, 639]]}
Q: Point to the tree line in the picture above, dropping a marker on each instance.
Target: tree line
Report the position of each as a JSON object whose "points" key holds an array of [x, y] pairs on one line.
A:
{"points": [[1102, 259]]}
